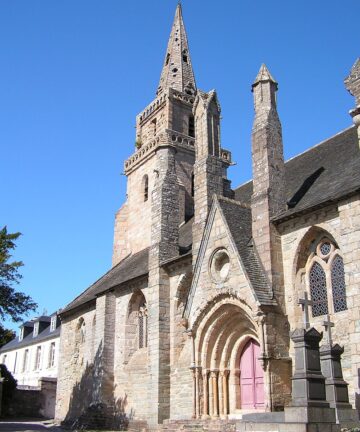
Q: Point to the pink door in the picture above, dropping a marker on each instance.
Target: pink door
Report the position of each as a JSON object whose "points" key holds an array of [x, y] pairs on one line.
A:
{"points": [[251, 377]]}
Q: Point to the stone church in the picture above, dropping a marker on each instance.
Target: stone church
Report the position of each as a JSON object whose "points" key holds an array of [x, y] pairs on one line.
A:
{"points": [[193, 318]]}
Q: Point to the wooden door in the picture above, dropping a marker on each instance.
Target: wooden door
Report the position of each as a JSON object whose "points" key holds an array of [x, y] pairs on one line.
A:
{"points": [[251, 377]]}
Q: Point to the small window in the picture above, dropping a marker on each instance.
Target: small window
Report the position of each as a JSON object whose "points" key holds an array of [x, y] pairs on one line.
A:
{"points": [[21, 335], [37, 358], [184, 56], [154, 125], [15, 362], [51, 362], [25, 361], [167, 59], [53, 323], [192, 126], [36, 329], [145, 187], [192, 185]]}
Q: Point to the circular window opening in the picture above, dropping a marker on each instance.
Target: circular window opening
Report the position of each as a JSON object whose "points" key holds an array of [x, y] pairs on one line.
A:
{"points": [[324, 248], [220, 265]]}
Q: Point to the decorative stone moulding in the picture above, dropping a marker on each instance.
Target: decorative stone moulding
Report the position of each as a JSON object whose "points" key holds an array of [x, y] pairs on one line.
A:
{"points": [[189, 99], [219, 265], [154, 106]]}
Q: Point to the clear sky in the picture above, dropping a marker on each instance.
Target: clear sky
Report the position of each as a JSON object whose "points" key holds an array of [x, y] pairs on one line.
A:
{"points": [[74, 74]]}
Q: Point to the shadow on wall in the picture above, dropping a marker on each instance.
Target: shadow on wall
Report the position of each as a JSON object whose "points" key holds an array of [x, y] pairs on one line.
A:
{"points": [[92, 404]]}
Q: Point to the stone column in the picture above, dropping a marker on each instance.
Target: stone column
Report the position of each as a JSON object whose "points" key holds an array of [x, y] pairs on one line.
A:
{"points": [[215, 392], [205, 394], [221, 392], [224, 382], [197, 392], [194, 392]]}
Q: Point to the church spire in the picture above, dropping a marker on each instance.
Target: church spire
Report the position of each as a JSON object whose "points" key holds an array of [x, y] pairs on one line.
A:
{"points": [[177, 72]]}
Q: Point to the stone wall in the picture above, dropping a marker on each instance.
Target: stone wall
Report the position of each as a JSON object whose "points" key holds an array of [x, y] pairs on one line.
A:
{"points": [[77, 353], [34, 402], [342, 223]]}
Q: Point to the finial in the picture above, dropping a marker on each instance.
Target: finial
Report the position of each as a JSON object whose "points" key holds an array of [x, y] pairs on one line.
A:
{"points": [[263, 76]]}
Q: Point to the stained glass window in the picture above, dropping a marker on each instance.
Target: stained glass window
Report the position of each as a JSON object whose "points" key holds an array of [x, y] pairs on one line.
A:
{"points": [[325, 248], [318, 290], [338, 284]]}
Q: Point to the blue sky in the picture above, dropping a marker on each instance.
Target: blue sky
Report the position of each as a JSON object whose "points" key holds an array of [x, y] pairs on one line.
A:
{"points": [[74, 74]]}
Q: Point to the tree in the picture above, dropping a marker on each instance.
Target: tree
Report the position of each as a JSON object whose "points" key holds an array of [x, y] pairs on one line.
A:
{"points": [[6, 335], [13, 304]]}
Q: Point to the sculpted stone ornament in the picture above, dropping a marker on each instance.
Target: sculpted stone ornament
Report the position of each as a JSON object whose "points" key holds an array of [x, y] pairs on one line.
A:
{"points": [[352, 84]]}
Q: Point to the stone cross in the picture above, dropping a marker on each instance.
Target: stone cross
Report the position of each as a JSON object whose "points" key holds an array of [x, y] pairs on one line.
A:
{"points": [[305, 303], [328, 324]]}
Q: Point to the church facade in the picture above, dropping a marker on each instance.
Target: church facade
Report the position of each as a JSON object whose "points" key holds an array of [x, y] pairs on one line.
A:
{"points": [[193, 318]]}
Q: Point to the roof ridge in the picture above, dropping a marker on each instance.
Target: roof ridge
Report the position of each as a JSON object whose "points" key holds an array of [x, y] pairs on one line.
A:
{"points": [[319, 144], [232, 201]]}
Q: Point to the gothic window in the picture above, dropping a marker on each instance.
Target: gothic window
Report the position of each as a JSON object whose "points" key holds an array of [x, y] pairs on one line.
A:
{"points": [[142, 317], [145, 187], [338, 284], [318, 290], [326, 278], [192, 185]]}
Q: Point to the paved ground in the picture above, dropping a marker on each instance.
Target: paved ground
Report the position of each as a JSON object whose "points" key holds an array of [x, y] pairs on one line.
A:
{"points": [[28, 426]]}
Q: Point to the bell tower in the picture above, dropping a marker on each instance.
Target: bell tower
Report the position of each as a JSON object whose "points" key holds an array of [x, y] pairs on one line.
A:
{"points": [[164, 145]]}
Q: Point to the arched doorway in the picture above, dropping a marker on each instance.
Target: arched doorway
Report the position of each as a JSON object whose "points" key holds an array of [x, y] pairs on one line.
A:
{"points": [[251, 377]]}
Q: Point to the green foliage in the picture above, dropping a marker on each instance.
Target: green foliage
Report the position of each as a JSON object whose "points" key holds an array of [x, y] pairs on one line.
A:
{"points": [[9, 384], [12, 304], [6, 335]]}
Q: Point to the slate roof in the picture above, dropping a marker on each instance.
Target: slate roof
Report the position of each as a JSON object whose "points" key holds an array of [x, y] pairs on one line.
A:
{"points": [[238, 219], [30, 339], [318, 176], [129, 268]]}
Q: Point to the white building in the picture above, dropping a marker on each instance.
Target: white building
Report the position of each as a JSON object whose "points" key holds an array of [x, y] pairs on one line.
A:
{"points": [[34, 353]]}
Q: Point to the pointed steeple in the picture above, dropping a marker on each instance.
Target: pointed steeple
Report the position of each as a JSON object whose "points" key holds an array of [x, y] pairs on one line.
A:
{"points": [[177, 72], [263, 76]]}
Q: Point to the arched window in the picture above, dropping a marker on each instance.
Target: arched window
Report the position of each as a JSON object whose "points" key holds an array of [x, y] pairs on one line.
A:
{"points": [[326, 278], [145, 187], [136, 329], [142, 317]]}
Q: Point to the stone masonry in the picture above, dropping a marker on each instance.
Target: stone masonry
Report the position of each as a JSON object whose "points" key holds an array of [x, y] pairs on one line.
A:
{"points": [[190, 326]]}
